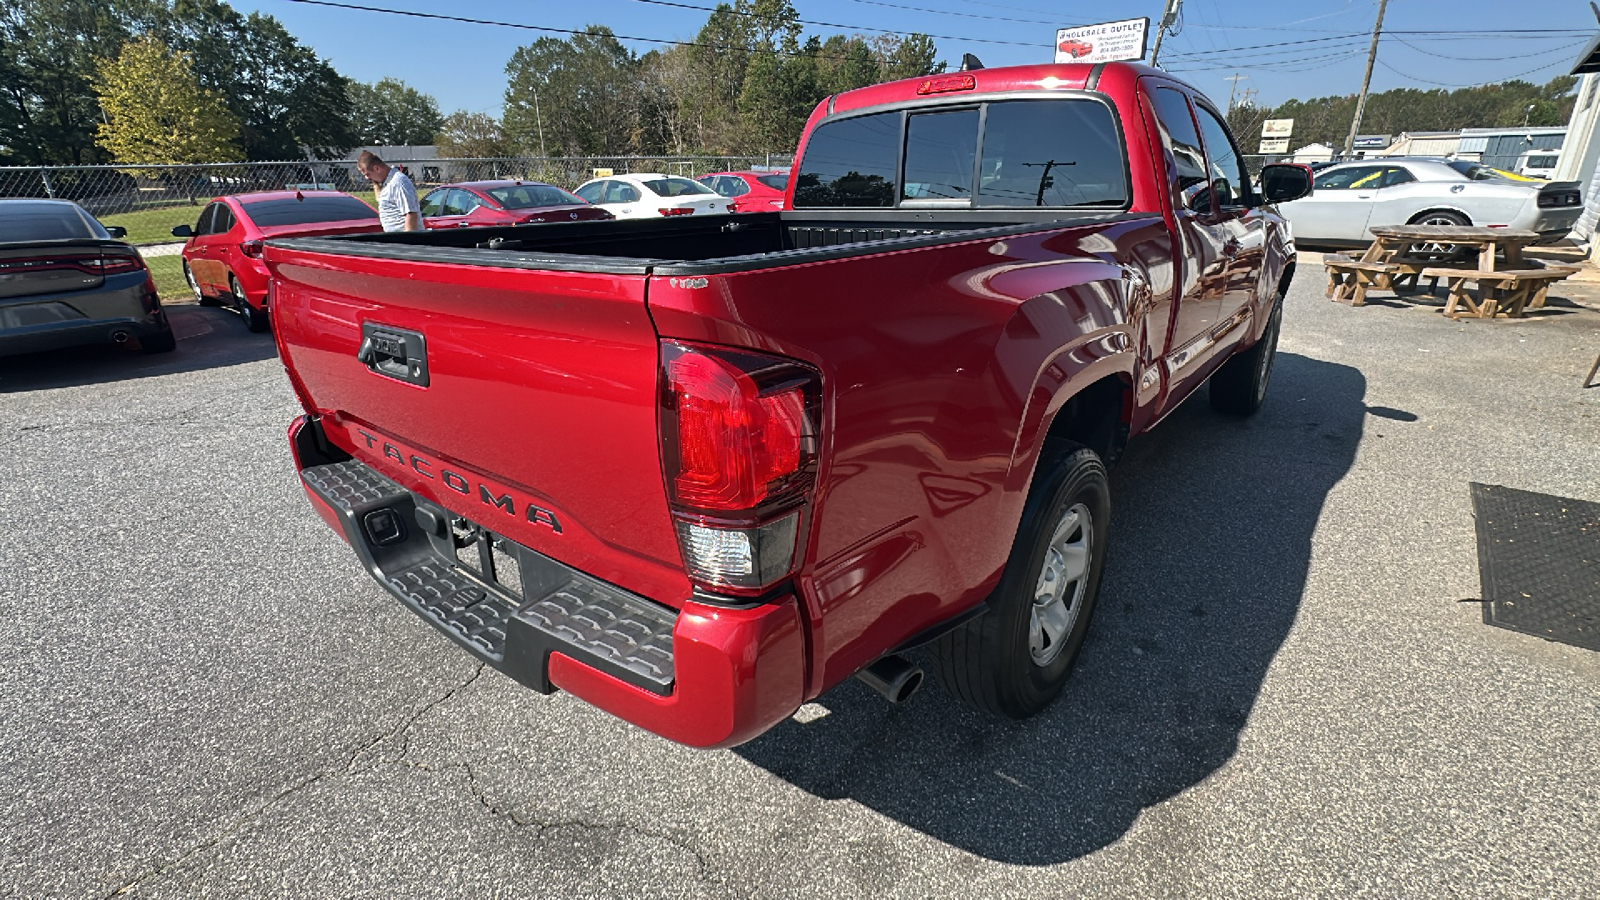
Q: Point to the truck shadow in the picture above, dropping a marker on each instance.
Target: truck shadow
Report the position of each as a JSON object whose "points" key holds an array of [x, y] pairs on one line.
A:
{"points": [[1213, 524], [208, 338]]}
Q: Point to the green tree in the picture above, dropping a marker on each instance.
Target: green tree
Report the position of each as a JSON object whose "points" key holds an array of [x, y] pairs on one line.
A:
{"points": [[157, 112], [471, 135], [48, 53], [390, 112], [290, 101], [911, 57], [576, 96]]}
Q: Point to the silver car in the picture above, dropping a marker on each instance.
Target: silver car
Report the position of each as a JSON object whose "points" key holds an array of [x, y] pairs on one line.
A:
{"points": [[1351, 197]]}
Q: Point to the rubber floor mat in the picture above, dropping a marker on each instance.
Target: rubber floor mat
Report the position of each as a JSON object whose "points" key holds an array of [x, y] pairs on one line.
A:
{"points": [[1539, 561]]}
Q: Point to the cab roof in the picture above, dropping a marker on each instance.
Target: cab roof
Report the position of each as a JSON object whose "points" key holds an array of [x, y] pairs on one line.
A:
{"points": [[1044, 77]]}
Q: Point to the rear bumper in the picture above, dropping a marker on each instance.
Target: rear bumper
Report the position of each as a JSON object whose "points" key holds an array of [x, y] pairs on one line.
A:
{"points": [[42, 322], [701, 675]]}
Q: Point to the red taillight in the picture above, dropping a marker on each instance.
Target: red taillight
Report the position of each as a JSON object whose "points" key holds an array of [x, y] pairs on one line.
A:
{"points": [[947, 83], [252, 248], [732, 206], [679, 211], [739, 441]]}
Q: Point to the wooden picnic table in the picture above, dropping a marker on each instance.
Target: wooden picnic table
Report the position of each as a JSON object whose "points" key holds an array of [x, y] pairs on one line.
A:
{"points": [[1505, 289], [1397, 240]]}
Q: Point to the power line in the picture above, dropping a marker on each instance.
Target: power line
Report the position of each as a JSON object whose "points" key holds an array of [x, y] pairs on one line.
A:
{"points": [[1559, 62], [942, 37]]}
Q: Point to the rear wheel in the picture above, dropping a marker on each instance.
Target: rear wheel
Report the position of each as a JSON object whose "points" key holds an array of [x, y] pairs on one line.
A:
{"points": [[254, 319], [1438, 251], [199, 295], [1014, 660], [1240, 386]]}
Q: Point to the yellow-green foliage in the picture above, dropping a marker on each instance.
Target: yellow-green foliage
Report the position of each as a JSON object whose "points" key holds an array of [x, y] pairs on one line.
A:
{"points": [[157, 111]]}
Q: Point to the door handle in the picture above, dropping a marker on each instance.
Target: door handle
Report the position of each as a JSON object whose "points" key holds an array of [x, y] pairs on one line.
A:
{"points": [[394, 352]]}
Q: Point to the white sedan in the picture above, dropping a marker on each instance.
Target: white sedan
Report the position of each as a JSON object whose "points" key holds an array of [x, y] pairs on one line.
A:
{"points": [[650, 195], [1351, 197]]}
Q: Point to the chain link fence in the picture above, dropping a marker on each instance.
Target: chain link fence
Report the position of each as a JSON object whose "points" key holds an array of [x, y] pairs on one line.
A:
{"points": [[115, 190]]}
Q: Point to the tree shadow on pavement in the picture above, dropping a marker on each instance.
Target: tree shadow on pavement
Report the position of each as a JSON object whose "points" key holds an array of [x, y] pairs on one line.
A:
{"points": [[208, 338], [1212, 526]]}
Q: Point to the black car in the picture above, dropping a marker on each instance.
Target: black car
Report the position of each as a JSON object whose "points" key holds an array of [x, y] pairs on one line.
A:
{"points": [[66, 281]]}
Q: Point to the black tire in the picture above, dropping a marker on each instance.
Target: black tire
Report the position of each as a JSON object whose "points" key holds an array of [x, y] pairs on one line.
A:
{"points": [[993, 662], [163, 341], [199, 295], [1240, 386], [254, 319]]}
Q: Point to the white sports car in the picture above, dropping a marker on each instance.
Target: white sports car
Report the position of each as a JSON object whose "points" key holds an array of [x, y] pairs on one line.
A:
{"points": [[649, 195], [1351, 197]]}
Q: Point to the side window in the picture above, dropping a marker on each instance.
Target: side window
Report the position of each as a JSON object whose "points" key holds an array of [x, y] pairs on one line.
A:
{"points": [[1349, 178], [850, 163], [224, 220], [1228, 181], [1051, 152], [940, 148], [452, 204], [202, 225], [1395, 175], [592, 192], [1182, 138], [733, 187], [621, 192], [431, 205], [469, 201]]}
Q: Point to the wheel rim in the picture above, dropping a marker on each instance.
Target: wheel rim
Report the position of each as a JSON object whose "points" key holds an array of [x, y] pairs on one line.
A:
{"points": [[1063, 582], [188, 275], [1435, 249], [240, 303]]}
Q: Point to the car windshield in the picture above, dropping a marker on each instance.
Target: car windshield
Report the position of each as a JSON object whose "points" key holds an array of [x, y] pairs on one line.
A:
{"points": [[677, 187], [289, 211], [46, 221], [776, 182], [530, 196]]}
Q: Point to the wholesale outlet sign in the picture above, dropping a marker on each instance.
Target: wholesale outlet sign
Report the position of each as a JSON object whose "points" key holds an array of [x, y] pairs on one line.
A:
{"points": [[1106, 42]]}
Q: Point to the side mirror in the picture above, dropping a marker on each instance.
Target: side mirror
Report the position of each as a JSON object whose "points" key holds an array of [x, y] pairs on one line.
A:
{"points": [[183, 231], [116, 231], [1282, 182]]}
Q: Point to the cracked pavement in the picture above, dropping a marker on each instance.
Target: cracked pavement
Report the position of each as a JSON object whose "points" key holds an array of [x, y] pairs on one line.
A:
{"points": [[1283, 693]]}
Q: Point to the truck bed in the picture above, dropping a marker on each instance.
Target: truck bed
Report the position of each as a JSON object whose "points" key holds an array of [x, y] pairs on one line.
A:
{"points": [[696, 245]]}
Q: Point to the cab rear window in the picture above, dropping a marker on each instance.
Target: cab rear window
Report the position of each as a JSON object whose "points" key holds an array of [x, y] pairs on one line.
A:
{"points": [[269, 213], [1002, 154]]}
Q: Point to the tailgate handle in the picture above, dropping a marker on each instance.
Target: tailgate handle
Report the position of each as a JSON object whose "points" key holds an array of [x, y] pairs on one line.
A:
{"points": [[394, 353]]}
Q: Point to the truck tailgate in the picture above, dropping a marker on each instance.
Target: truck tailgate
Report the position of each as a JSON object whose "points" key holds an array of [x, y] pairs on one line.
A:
{"points": [[532, 411]]}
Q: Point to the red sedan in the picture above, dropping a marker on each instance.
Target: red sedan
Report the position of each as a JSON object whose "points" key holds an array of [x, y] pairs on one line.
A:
{"points": [[749, 191], [222, 257], [503, 203], [1076, 48]]}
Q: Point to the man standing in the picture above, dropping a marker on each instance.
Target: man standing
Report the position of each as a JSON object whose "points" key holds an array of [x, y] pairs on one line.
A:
{"points": [[398, 208]]}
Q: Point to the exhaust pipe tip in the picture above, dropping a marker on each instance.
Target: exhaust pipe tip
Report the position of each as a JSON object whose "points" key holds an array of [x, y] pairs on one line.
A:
{"points": [[895, 678], [120, 336]]}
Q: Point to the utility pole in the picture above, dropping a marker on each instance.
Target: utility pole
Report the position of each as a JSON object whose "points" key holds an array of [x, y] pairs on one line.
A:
{"points": [[1235, 78], [1168, 16], [1361, 101]]}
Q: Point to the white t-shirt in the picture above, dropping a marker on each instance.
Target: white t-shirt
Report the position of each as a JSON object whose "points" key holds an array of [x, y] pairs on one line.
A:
{"points": [[396, 197]]}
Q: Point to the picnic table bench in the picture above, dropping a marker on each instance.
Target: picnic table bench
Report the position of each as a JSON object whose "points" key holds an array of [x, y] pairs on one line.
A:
{"points": [[1401, 255]]}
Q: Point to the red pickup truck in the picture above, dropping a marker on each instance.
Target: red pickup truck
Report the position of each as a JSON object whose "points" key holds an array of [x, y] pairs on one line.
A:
{"points": [[697, 471]]}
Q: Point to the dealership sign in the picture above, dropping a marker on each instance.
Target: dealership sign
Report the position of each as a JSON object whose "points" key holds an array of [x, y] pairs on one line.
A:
{"points": [[1275, 145], [1277, 128], [1106, 42]]}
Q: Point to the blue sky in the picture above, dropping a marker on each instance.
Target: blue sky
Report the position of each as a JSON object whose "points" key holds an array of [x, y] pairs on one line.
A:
{"points": [[1318, 48]]}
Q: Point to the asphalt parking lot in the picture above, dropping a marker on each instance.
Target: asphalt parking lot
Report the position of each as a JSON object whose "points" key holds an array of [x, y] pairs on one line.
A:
{"points": [[1284, 693]]}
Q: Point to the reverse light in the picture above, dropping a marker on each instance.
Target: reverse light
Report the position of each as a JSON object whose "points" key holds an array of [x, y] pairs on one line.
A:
{"points": [[252, 249], [739, 439], [946, 84]]}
